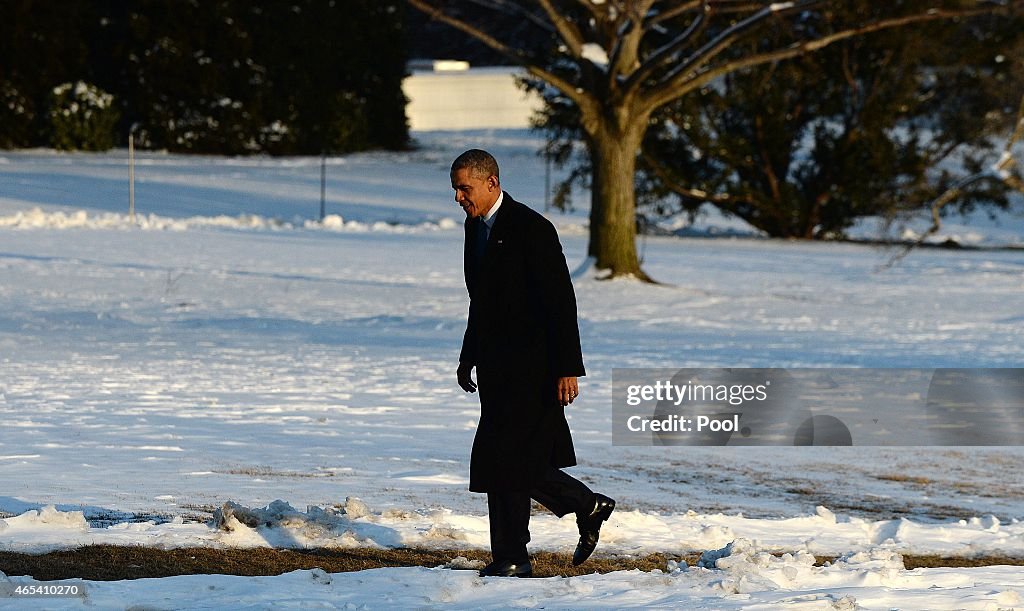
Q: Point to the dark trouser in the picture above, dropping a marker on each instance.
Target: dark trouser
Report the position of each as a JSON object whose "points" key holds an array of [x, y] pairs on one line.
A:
{"points": [[510, 511]]}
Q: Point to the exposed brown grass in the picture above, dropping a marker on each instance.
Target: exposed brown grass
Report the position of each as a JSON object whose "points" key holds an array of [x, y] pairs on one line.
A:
{"points": [[908, 479], [932, 561], [109, 562]]}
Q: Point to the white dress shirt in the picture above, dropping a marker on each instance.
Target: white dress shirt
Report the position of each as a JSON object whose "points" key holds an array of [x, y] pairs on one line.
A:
{"points": [[489, 217]]}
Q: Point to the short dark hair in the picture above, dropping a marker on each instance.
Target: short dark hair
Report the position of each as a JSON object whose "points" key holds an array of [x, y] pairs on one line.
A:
{"points": [[480, 163]]}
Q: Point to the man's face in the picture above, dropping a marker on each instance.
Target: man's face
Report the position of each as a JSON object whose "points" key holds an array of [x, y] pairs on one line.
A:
{"points": [[475, 195]]}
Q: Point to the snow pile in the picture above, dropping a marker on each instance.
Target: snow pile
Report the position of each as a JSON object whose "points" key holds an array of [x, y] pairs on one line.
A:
{"points": [[334, 222], [279, 514], [752, 569], [281, 525], [37, 218], [47, 518], [354, 524], [745, 571]]}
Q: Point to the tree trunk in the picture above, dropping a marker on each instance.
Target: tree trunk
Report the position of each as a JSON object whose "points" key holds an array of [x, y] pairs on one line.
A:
{"points": [[613, 200]]}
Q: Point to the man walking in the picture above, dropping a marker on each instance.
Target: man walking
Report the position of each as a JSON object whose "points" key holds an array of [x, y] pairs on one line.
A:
{"points": [[523, 339]]}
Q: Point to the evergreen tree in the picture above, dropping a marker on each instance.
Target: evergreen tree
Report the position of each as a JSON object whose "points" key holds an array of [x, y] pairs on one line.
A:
{"points": [[42, 45], [224, 76]]}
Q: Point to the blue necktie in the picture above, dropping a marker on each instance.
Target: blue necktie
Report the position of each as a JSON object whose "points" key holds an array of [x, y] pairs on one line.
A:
{"points": [[481, 240]]}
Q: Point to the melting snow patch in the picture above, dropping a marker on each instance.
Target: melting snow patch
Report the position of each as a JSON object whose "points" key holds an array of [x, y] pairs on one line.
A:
{"points": [[349, 525], [463, 563]]}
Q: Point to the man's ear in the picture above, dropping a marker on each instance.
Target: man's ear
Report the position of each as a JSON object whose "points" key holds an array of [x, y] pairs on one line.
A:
{"points": [[492, 181]]}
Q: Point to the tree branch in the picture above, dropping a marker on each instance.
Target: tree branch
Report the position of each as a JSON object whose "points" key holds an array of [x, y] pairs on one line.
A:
{"points": [[1000, 171], [438, 14], [567, 30], [722, 6], [725, 7], [511, 8], [728, 36], [667, 51], [682, 83], [626, 51], [581, 98]]}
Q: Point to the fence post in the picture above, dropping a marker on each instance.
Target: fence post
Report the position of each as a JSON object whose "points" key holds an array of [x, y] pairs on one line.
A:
{"points": [[323, 185], [131, 176]]}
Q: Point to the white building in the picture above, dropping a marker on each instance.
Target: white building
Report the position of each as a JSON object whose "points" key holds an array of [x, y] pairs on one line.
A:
{"points": [[449, 95]]}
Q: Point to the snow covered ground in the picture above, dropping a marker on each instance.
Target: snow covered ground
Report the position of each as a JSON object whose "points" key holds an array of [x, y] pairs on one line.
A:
{"points": [[745, 578], [225, 348]]}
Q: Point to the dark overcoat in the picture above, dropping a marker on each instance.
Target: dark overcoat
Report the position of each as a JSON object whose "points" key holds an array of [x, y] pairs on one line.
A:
{"points": [[522, 335]]}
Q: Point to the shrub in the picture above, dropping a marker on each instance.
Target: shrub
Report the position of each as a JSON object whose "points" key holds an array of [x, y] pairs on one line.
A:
{"points": [[82, 117]]}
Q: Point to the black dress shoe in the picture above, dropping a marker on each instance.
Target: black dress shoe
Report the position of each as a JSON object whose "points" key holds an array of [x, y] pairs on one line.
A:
{"points": [[590, 528], [507, 568]]}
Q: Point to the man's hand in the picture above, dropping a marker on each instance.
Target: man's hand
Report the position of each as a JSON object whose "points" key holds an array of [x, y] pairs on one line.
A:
{"points": [[465, 379], [568, 390]]}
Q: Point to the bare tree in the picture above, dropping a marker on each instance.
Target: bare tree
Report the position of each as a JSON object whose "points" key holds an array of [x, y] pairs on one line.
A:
{"points": [[618, 61]]}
